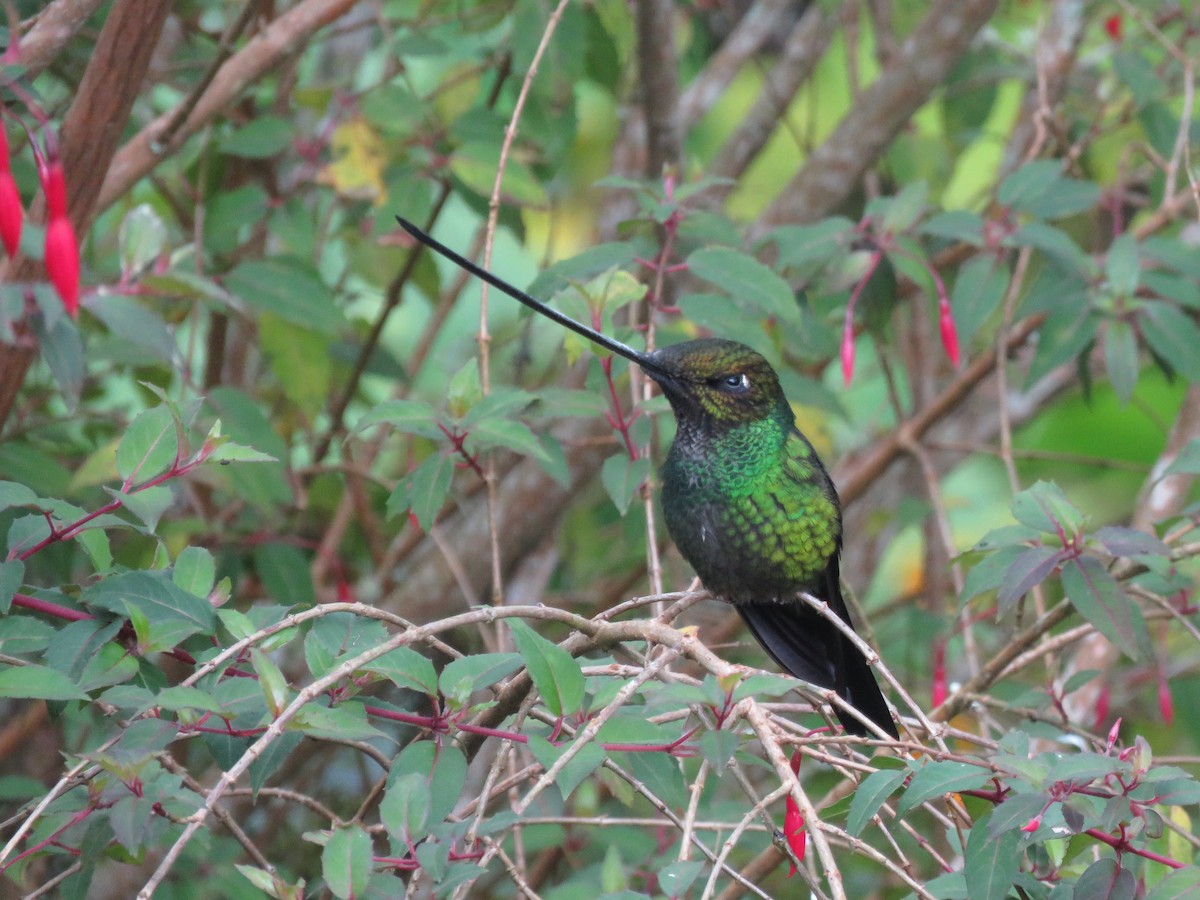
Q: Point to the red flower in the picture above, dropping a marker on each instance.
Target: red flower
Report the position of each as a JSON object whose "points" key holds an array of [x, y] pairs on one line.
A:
{"points": [[11, 212], [949, 332], [1113, 25], [12, 215], [62, 247], [62, 262], [939, 673], [793, 823]]}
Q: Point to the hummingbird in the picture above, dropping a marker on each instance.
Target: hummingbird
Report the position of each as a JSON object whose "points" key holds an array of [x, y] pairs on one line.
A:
{"points": [[747, 501]]}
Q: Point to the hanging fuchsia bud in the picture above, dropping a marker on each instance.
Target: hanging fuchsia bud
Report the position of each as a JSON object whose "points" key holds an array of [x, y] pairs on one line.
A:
{"points": [[1166, 704], [1032, 825], [848, 349], [939, 673], [12, 214], [62, 262], [793, 823], [62, 246], [949, 332]]}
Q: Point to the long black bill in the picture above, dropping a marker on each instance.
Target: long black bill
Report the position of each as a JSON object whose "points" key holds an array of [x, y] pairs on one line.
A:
{"points": [[536, 305]]}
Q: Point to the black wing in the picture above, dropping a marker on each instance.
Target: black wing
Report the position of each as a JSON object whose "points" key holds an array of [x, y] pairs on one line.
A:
{"points": [[813, 650]]}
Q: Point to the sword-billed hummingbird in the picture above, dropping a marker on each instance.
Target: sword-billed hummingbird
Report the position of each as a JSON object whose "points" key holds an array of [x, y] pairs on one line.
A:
{"points": [[746, 500]]}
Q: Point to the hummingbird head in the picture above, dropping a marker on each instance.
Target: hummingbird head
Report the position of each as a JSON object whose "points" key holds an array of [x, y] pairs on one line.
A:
{"points": [[714, 382]]}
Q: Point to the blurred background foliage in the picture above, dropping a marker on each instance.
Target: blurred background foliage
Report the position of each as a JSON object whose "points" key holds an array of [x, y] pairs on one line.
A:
{"points": [[778, 163]]}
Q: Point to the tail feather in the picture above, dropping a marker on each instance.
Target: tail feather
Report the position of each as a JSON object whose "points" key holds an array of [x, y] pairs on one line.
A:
{"points": [[813, 650]]}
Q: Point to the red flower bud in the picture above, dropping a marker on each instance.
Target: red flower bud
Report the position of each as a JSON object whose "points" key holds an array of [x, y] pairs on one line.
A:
{"points": [[12, 214], [1113, 25], [793, 823], [949, 332], [848, 350], [54, 184], [1102, 703], [939, 673], [1166, 704], [1032, 825], [62, 262]]}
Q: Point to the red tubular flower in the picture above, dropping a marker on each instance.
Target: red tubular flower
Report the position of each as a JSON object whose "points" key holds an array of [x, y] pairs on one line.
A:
{"points": [[1113, 25], [12, 214], [848, 349], [793, 823], [62, 246], [939, 673], [62, 262], [949, 332], [1166, 704]]}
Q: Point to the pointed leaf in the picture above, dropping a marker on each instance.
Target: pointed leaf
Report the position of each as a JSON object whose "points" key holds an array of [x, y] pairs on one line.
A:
{"points": [[746, 280], [870, 797], [346, 862], [1097, 597], [991, 863], [554, 671]]}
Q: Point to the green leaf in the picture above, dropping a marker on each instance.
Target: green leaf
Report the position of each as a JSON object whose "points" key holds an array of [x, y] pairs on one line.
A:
{"points": [[61, 349], [936, 778], [460, 678], [870, 796], [465, 391], [1054, 242], [1121, 266], [1121, 358], [406, 668], [805, 245], [195, 571], [299, 357], [13, 494], [979, 288], [1120, 541], [288, 288], [1030, 568], [148, 504], [227, 452], [444, 769], [589, 758], [718, 748], [155, 595], [1173, 336], [285, 574], [404, 809], [506, 433], [991, 863], [424, 490], [1181, 884], [988, 573], [1046, 508], [555, 673], [261, 137], [12, 576], [622, 477], [38, 683], [746, 280], [406, 416], [1105, 879], [346, 862], [150, 445], [476, 163], [347, 721], [272, 681], [1098, 597]]}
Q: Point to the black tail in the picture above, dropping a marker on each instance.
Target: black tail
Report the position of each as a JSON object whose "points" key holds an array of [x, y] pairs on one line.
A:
{"points": [[813, 650]]}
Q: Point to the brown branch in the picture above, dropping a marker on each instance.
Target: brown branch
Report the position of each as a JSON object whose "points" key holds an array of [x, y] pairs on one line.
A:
{"points": [[805, 46], [659, 76], [760, 23], [262, 54], [834, 169], [52, 30]]}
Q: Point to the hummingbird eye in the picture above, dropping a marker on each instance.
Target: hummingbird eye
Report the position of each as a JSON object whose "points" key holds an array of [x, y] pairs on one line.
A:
{"points": [[735, 382]]}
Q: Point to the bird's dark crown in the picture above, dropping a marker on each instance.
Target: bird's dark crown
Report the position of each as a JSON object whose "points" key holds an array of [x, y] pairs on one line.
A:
{"points": [[717, 380]]}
